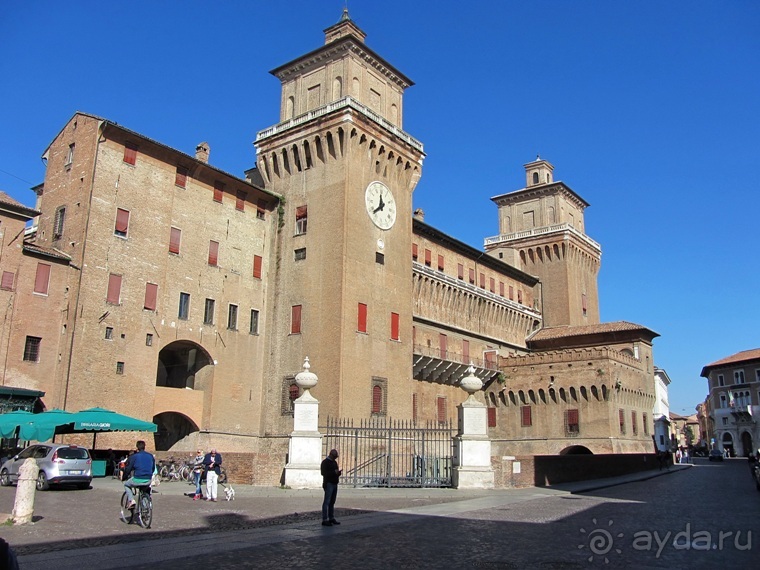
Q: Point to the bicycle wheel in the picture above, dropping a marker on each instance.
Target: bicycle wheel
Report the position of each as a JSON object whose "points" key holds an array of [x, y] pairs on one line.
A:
{"points": [[186, 473], [127, 515], [146, 510], [164, 472]]}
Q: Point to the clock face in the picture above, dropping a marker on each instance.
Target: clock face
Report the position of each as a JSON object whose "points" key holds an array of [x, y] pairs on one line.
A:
{"points": [[381, 206]]}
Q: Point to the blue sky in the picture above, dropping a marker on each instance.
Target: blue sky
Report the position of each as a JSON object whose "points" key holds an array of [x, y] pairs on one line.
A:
{"points": [[649, 110]]}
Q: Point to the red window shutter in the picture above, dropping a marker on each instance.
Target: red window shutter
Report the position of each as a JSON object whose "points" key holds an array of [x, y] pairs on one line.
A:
{"points": [[441, 405], [213, 252], [301, 212], [257, 259], [114, 289], [572, 417], [519, 295], [501, 288], [362, 319], [511, 293], [181, 178], [428, 257], [394, 326], [440, 263], [295, 319], [492, 285], [460, 271], [174, 240], [8, 279], [527, 416], [122, 222], [634, 427], [414, 252], [130, 154], [377, 399], [466, 351], [583, 300], [472, 276], [443, 345], [240, 200], [151, 293], [218, 191], [482, 280], [491, 417], [42, 279]]}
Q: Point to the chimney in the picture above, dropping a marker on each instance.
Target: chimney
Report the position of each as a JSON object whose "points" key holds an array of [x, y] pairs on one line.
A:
{"points": [[419, 215], [202, 151]]}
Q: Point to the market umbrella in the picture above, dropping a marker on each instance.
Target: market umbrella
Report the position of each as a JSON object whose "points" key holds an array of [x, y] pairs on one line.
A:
{"points": [[10, 422], [43, 426], [100, 419]]}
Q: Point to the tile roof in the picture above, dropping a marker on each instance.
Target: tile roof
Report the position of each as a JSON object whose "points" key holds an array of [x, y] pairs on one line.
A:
{"points": [[581, 330], [47, 251], [16, 205], [753, 354]]}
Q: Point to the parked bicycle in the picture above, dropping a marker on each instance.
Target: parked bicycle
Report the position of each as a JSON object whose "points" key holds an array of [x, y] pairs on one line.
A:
{"points": [[142, 511]]}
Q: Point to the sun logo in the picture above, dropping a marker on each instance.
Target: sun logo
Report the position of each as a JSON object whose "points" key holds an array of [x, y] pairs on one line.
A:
{"points": [[600, 542]]}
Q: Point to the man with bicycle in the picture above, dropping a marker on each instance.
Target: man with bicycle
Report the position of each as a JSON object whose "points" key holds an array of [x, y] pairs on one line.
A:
{"points": [[138, 471]]}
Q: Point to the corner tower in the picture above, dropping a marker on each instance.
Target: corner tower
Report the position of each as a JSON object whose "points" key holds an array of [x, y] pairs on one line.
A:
{"points": [[541, 231], [343, 290]]}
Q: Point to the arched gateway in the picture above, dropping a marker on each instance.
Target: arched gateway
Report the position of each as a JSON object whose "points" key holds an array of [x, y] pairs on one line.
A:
{"points": [[184, 375]]}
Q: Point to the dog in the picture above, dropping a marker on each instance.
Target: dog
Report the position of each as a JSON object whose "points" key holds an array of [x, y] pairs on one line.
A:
{"points": [[229, 492]]}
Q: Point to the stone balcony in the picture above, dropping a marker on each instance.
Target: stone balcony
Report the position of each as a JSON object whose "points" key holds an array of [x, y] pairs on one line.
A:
{"points": [[447, 367], [564, 227]]}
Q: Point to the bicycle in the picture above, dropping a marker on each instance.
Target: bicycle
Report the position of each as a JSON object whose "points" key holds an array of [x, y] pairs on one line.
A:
{"points": [[142, 511]]}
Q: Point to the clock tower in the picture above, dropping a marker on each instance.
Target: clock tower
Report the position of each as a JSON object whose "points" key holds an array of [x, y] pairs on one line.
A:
{"points": [[342, 287]]}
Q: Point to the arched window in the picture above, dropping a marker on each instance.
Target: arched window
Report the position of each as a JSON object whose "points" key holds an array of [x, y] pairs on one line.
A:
{"points": [[289, 108], [377, 399], [535, 178]]}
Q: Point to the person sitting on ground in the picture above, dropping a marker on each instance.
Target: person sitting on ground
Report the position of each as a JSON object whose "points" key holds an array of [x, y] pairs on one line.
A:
{"points": [[138, 472]]}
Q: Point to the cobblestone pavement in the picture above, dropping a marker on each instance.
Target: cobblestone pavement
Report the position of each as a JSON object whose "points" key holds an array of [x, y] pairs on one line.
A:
{"points": [[404, 528]]}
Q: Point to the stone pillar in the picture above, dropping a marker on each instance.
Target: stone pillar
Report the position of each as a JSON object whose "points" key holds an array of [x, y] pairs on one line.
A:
{"points": [[305, 448], [23, 507], [472, 455]]}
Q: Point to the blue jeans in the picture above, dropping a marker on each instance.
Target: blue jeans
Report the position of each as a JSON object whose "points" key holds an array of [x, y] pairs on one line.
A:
{"points": [[328, 505], [197, 480]]}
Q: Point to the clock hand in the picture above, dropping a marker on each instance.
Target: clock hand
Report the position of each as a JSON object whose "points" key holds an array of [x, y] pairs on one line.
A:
{"points": [[380, 206]]}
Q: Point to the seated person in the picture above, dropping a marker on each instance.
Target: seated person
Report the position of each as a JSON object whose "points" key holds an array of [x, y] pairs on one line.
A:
{"points": [[138, 471]]}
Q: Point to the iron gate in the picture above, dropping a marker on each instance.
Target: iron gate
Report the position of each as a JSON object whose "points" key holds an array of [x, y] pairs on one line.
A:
{"points": [[380, 452]]}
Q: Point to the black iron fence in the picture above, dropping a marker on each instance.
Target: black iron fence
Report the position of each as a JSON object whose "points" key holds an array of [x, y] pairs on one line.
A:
{"points": [[380, 452]]}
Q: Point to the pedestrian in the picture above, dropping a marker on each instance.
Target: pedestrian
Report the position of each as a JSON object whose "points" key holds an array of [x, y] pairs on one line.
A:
{"points": [[197, 473], [685, 456], [330, 479], [678, 455], [213, 464]]}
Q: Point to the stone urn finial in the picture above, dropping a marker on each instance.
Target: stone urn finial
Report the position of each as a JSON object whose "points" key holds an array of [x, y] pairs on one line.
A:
{"points": [[306, 380], [471, 383]]}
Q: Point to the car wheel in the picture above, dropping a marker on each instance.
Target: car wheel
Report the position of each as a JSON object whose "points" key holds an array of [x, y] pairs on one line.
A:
{"points": [[42, 482], [5, 479]]}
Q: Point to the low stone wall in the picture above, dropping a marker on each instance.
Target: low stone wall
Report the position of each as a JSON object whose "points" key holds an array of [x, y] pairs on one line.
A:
{"points": [[262, 469], [546, 470]]}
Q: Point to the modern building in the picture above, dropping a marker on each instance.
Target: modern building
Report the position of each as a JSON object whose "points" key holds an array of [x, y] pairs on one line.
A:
{"points": [[733, 401], [188, 296], [661, 413]]}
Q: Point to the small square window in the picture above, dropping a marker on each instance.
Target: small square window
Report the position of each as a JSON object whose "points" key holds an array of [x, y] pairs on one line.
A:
{"points": [[184, 306], [58, 223], [300, 254], [119, 368], [149, 339], [261, 208], [379, 258], [109, 333], [254, 322], [208, 312], [32, 349], [232, 318]]}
